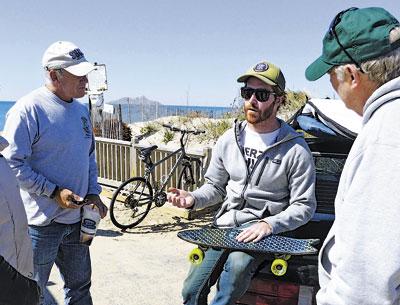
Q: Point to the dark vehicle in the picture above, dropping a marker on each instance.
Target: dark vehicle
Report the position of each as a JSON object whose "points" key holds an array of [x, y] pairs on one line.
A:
{"points": [[298, 286]]}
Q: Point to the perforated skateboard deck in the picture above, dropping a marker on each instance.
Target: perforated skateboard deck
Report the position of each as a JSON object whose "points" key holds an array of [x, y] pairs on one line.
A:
{"points": [[225, 239]]}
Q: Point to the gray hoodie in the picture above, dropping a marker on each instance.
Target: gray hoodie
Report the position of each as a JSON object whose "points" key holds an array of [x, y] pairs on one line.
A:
{"points": [[15, 243], [279, 189], [360, 259]]}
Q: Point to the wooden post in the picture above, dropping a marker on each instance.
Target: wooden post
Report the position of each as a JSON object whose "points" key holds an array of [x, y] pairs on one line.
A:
{"points": [[120, 131], [133, 160], [207, 152]]}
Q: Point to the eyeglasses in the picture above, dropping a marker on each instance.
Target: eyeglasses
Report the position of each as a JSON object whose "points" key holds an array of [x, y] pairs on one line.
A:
{"points": [[262, 95], [332, 31]]}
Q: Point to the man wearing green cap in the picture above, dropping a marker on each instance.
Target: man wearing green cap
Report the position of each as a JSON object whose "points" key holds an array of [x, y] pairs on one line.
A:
{"points": [[359, 262], [263, 174]]}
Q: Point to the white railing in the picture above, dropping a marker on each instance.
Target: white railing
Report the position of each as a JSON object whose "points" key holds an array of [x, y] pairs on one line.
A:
{"points": [[118, 160]]}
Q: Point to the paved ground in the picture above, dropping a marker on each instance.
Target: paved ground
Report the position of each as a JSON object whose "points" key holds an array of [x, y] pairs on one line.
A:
{"points": [[143, 266]]}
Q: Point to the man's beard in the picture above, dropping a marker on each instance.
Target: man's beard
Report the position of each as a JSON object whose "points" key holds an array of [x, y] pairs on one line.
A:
{"points": [[258, 116]]}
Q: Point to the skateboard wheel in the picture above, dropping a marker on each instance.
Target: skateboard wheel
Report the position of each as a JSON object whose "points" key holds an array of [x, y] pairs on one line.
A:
{"points": [[196, 256], [279, 267]]}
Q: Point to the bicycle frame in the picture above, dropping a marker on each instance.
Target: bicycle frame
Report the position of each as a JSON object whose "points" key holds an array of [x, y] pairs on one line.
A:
{"points": [[149, 170]]}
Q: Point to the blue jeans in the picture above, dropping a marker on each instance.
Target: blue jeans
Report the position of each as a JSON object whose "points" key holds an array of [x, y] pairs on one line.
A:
{"points": [[234, 270], [59, 243]]}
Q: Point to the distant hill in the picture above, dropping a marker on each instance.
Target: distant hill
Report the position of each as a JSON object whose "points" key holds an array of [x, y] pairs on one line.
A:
{"points": [[134, 101]]}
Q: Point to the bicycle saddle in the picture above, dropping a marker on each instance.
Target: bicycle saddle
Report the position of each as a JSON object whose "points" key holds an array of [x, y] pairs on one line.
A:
{"points": [[145, 152]]}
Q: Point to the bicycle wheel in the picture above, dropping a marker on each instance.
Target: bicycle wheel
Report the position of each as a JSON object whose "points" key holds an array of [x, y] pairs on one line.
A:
{"points": [[186, 179], [131, 202]]}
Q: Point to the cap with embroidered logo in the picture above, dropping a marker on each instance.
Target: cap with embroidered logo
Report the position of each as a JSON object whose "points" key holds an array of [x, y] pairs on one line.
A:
{"points": [[354, 36], [267, 73], [66, 55]]}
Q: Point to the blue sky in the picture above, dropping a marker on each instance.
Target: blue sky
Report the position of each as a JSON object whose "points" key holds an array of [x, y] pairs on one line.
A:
{"points": [[168, 50]]}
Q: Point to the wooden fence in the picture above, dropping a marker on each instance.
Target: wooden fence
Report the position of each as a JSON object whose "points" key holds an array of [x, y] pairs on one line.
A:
{"points": [[114, 161], [118, 160]]}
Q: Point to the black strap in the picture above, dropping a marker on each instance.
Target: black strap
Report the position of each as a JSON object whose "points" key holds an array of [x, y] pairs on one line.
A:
{"points": [[344, 131]]}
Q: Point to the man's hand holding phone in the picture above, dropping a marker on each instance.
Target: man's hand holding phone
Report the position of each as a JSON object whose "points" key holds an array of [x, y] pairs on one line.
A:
{"points": [[68, 200]]}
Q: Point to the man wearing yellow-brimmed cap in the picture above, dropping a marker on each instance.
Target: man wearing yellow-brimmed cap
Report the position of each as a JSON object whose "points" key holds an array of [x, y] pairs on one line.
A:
{"points": [[262, 173], [359, 262]]}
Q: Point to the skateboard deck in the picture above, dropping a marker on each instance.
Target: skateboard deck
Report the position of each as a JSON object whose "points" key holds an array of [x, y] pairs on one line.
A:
{"points": [[225, 239]]}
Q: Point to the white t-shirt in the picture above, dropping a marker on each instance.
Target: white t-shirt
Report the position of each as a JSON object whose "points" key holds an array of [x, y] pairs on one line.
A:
{"points": [[255, 144]]}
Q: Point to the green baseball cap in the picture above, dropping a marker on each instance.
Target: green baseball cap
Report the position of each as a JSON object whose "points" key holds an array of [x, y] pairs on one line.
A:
{"points": [[266, 72], [354, 36]]}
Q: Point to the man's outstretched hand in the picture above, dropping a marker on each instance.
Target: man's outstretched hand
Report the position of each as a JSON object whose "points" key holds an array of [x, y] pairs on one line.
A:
{"points": [[180, 198]]}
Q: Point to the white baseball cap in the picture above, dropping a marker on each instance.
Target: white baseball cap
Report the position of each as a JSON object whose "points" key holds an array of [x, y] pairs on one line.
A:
{"points": [[66, 55]]}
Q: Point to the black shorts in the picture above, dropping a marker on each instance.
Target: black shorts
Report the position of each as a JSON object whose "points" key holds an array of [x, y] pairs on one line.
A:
{"points": [[16, 289]]}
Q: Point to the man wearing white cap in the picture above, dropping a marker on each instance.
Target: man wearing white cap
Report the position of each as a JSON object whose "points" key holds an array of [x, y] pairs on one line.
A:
{"points": [[52, 154]]}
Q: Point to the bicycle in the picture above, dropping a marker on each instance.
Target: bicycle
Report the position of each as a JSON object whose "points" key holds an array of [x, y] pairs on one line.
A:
{"points": [[132, 201]]}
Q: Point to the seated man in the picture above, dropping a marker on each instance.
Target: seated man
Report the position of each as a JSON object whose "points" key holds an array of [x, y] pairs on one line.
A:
{"points": [[263, 173]]}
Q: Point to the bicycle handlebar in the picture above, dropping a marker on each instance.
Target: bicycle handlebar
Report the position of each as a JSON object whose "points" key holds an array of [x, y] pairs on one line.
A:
{"points": [[172, 128]]}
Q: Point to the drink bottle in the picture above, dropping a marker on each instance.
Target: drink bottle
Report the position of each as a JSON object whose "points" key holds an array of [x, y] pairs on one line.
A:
{"points": [[89, 224]]}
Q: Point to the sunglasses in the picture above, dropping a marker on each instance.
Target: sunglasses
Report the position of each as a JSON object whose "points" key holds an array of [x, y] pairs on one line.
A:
{"points": [[262, 95], [332, 31]]}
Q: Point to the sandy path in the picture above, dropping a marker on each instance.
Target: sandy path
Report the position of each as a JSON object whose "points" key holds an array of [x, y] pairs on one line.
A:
{"points": [[143, 266]]}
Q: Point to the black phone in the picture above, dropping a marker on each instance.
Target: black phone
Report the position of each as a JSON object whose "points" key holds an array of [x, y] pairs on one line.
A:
{"points": [[82, 202]]}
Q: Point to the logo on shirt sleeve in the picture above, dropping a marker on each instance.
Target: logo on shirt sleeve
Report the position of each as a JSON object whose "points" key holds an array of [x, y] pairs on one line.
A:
{"points": [[86, 127]]}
